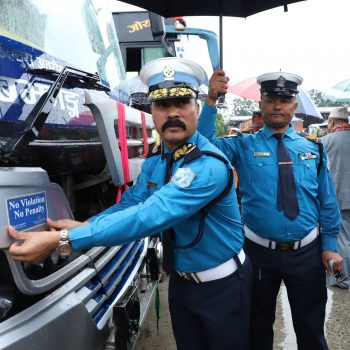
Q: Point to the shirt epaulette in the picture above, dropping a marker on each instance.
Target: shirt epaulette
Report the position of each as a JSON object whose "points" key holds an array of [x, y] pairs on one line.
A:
{"points": [[309, 136], [315, 139]]}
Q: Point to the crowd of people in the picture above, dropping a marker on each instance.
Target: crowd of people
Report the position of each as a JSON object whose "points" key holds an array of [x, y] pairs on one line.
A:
{"points": [[226, 262]]}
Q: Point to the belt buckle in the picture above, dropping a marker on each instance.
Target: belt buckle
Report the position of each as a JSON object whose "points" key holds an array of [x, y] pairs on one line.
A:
{"points": [[284, 245], [186, 276]]}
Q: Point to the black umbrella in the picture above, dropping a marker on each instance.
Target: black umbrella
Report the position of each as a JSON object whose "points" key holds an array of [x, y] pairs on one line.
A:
{"points": [[234, 8]]}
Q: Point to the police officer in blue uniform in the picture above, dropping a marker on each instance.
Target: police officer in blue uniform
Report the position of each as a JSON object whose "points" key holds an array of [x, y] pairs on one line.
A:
{"points": [[185, 190], [289, 209]]}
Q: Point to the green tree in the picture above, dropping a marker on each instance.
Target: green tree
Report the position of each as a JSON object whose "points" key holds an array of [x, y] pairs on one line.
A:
{"points": [[319, 99], [221, 129], [240, 106]]}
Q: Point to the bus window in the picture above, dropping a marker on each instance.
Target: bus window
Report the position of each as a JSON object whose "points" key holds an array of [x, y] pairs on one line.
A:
{"points": [[88, 41]]}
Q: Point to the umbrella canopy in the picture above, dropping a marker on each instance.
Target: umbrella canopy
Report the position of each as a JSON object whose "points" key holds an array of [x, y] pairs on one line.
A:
{"points": [[340, 92], [234, 8], [249, 88]]}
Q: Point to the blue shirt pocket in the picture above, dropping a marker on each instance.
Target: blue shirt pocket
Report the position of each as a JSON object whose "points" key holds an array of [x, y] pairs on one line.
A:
{"points": [[262, 172], [306, 171]]}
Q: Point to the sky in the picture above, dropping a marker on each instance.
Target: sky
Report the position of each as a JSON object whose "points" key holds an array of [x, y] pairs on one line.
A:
{"points": [[310, 40]]}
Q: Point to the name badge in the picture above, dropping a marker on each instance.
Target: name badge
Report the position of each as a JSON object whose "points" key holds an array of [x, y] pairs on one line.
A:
{"points": [[151, 184], [307, 156], [261, 154]]}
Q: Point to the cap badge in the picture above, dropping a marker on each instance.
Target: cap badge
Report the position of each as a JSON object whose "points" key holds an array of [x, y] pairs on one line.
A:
{"points": [[168, 73], [281, 81]]}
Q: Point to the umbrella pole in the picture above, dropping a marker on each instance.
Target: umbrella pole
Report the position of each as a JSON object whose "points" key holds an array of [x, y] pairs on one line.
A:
{"points": [[221, 43], [221, 97]]}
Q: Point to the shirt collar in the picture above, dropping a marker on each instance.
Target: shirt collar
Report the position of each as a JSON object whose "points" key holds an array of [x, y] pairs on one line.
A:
{"points": [[290, 132]]}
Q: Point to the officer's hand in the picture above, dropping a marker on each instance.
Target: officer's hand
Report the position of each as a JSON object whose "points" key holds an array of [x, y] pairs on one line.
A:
{"points": [[327, 256], [218, 83], [64, 223], [34, 247]]}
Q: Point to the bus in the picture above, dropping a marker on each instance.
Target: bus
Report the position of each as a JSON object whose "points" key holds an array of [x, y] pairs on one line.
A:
{"points": [[69, 143]]}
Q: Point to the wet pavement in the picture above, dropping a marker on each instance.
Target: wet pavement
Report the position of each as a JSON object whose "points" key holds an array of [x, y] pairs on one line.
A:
{"points": [[337, 323]]}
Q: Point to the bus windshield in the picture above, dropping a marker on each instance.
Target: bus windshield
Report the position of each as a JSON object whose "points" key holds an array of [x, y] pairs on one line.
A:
{"points": [[79, 32]]}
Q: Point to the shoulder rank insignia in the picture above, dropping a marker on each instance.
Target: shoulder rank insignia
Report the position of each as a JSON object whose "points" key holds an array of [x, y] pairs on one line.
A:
{"points": [[309, 137]]}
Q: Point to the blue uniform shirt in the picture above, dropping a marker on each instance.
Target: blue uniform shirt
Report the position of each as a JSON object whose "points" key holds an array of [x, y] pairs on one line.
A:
{"points": [[152, 206], [254, 157]]}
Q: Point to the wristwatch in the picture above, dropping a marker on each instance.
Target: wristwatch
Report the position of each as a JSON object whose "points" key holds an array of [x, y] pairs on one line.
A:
{"points": [[64, 248]]}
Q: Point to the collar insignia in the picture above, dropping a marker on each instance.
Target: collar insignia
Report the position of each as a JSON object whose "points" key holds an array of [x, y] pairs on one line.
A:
{"points": [[168, 73], [281, 81], [182, 150]]}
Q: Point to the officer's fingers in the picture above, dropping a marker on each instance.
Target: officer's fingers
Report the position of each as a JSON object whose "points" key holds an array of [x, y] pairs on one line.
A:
{"points": [[219, 71], [62, 223], [327, 267], [223, 86], [20, 254], [16, 250], [55, 224], [325, 261], [218, 76], [36, 248], [16, 234], [338, 264], [51, 222], [218, 80]]}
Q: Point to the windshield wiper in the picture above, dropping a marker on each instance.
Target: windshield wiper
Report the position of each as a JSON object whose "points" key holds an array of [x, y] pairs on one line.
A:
{"points": [[76, 77], [37, 117]]}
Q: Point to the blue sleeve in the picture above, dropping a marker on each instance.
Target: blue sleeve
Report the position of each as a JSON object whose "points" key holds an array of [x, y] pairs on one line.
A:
{"points": [[164, 208], [330, 217], [132, 196], [207, 127], [206, 122]]}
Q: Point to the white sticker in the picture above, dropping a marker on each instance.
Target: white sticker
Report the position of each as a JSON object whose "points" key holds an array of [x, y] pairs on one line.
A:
{"points": [[183, 177]]}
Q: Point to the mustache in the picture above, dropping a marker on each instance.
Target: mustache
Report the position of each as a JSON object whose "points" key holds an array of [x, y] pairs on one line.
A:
{"points": [[174, 123]]}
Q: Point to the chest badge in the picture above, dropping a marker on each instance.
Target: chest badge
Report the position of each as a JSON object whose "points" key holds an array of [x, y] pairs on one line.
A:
{"points": [[261, 154], [307, 156]]}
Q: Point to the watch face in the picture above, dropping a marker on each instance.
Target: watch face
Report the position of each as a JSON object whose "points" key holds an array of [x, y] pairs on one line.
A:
{"points": [[64, 249]]}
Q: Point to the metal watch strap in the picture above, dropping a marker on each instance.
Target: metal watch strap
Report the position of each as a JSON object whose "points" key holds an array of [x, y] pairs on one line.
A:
{"points": [[64, 236], [64, 248]]}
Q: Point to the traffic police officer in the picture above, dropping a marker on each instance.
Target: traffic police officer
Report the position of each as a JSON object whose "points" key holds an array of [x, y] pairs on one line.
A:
{"points": [[210, 282], [289, 210]]}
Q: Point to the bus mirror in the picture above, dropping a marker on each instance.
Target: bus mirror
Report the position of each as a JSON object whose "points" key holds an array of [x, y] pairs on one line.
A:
{"points": [[157, 26]]}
